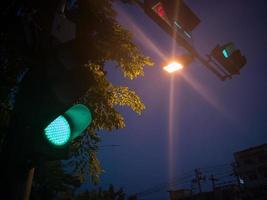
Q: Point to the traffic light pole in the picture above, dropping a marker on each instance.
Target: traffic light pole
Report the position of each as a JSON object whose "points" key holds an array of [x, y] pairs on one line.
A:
{"points": [[182, 42], [28, 185]]}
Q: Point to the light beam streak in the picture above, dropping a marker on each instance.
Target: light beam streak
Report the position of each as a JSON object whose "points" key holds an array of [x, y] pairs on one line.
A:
{"points": [[171, 159]]}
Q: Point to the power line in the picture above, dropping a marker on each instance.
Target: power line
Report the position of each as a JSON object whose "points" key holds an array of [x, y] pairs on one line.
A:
{"points": [[186, 178], [165, 185]]}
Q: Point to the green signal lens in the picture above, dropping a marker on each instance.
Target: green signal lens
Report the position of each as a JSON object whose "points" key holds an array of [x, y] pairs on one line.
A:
{"points": [[225, 53], [58, 131]]}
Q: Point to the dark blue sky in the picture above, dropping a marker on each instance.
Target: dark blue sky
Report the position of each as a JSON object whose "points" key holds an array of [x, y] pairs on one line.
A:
{"points": [[211, 119]]}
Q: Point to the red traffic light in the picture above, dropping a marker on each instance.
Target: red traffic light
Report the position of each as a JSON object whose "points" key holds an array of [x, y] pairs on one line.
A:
{"points": [[172, 11]]}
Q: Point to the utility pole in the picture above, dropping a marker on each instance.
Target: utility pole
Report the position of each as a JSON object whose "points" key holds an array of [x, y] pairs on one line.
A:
{"points": [[28, 184], [198, 178], [213, 180]]}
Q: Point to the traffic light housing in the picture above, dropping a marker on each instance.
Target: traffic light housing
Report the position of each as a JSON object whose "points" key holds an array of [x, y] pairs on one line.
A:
{"points": [[68, 125], [174, 16], [229, 58], [52, 142], [46, 116], [46, 113]]}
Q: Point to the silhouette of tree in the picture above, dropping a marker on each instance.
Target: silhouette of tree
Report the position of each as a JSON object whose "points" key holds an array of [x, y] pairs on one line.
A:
{"points": [[100, 194], [50, 181]]}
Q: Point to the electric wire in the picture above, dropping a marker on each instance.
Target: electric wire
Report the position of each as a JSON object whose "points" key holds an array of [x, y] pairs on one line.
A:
{"points": [[220, 172]]}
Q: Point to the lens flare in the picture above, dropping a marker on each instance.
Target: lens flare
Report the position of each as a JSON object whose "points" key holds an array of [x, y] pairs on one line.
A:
{"points": [[170, 131]]}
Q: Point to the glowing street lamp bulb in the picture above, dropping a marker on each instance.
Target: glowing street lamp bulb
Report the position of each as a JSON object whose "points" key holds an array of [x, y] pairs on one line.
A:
{"points": [[172, 67]]}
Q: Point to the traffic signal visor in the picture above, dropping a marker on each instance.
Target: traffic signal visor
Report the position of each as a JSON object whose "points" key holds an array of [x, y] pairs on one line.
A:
{"points": [[79, 117]]}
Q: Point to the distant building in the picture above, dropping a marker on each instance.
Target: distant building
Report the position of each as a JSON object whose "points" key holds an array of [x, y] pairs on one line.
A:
{"points": [[229, 192], [251, 171], [180, 194], [251, 167]]}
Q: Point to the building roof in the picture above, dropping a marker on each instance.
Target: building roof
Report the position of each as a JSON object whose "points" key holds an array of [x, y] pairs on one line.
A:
{"points": [[252, 149]]}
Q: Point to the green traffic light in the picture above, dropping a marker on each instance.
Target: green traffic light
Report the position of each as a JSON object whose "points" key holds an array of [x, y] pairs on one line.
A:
{"points": [[68, 126], [58, 132], [228, 49], [225, 53]]}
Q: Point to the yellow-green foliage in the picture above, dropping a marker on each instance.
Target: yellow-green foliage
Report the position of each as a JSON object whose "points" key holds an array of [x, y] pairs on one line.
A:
{"points": [[105, 40]]}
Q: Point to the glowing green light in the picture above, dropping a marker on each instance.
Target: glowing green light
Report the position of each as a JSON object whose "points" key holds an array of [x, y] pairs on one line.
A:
{"points": [[225, 53], [58, 131]]}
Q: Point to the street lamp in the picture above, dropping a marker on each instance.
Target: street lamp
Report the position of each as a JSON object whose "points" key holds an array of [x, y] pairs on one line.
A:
{"points": [[173, 67], [179, 63]]}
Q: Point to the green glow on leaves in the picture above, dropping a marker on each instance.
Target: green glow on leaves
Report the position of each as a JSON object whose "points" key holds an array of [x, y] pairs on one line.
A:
{"points": [[58, 131]]}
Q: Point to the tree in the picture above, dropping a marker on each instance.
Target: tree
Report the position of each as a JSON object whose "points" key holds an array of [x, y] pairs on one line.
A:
{"points": [[100, 194], [51, 181], [99, 38]]}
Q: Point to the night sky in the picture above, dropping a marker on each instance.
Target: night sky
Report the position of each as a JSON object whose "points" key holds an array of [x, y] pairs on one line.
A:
{"points": [[207, 119]]}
